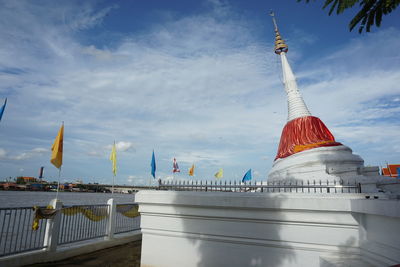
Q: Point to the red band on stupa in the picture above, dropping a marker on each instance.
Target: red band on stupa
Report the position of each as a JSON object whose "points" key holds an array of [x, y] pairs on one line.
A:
{"points": [[304, 133]]}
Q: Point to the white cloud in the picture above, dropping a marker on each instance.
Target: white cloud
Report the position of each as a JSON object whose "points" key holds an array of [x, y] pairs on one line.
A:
{"points": [[210, 157], [97, 53], [39, 150], [124, 146], [24, 155], [133, 179], [95, 153], [87, 17], [3, 153]]}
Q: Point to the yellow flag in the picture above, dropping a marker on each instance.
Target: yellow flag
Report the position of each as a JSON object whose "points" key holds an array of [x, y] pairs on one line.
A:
{"points": [[57, 148], [113, 158], [219, 174], [191, 170]]}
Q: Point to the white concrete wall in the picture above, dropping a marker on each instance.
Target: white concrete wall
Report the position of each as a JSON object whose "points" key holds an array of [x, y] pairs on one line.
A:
{"points": [[266, 229]]}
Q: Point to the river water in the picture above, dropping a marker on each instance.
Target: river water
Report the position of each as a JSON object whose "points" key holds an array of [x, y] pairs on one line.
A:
{"points": [[10, 199]]}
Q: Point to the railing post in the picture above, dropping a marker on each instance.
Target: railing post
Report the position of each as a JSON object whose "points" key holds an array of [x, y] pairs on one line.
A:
{"points": [[53, 227], [112, 215]]}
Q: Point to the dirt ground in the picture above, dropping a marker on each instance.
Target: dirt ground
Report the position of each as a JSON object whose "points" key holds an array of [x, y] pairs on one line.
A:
{"points": [[127, 255]]}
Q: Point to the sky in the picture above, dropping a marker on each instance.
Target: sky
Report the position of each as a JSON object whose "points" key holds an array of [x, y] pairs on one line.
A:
{"points": [[193, 80]]}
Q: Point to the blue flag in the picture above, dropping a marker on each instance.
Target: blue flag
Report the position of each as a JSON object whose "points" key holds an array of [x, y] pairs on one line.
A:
{"points": [[3, 108], [153, 165], [247, 176]]}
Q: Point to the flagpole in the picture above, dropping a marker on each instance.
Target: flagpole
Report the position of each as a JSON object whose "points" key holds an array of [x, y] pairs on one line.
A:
{"points": [[113, 181], [150, 181], [58, 183], [59, 172], [112, 187]]}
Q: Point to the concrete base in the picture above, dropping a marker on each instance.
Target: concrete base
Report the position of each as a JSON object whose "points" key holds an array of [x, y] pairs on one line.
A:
{"points": [[332, 164], [322, 163], [268, 229]]}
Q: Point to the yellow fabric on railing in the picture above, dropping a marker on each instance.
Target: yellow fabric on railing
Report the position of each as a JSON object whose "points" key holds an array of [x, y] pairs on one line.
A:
{"points": [[128, 210], [96, 215], [42, 213]]}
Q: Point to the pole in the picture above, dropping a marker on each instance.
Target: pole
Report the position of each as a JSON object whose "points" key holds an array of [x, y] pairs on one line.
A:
{"points": [[58, 183], [112, 187], [114, 165], [272, 14]]}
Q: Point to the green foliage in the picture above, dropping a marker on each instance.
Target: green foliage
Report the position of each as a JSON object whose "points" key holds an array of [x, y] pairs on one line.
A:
{"points": [[370, 14]]}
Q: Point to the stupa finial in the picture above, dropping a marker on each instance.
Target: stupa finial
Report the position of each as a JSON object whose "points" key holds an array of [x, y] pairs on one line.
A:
{"points": [[280, 45]]}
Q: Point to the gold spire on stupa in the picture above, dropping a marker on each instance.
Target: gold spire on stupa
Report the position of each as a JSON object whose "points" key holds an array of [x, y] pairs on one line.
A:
{"points": [[280, 45]]}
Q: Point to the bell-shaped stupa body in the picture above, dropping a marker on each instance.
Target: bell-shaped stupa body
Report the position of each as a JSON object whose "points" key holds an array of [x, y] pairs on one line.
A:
{"points": [[307, 149]]}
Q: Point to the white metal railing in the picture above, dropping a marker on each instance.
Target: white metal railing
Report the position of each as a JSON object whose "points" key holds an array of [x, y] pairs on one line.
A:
{"points": [[68, 224], [83, 222], [266, 187], [16, 231], [126, 218]]}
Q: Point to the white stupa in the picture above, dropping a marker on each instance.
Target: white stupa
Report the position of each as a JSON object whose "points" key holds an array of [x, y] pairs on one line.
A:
{"points": [[307, 149]]}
